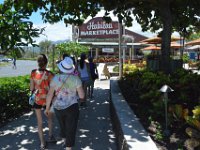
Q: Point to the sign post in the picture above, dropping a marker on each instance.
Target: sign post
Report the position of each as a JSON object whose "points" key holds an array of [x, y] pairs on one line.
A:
{"points": [[120, 56], [124, 46]]}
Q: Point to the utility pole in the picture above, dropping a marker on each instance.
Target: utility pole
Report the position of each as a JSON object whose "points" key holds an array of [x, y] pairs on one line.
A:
{"points": [[53, 55], [75, 33]]}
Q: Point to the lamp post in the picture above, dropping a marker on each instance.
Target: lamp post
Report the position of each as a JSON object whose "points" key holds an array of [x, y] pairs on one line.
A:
{"points": [[125, 37], [166, 89], [124, 46], [133, 56]]}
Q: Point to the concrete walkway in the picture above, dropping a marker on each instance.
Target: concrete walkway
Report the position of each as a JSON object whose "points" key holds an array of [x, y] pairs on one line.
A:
{"points": [[94, 129]]}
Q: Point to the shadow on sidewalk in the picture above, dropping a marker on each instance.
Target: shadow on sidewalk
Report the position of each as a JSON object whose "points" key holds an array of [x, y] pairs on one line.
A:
{"points": [[94, 130]]}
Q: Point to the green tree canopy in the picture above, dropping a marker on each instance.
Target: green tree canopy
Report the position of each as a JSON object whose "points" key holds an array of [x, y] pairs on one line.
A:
{"points": [[15, 29], [164, 16], [161, 16], [194, 36], [72, 49], [45, 46]]}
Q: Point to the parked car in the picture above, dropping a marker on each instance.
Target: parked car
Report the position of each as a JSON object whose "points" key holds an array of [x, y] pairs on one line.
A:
{"points": [[6, 59]]}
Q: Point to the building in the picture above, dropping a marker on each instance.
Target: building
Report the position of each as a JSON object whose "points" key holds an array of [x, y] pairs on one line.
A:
{"points": [[103, 38]]}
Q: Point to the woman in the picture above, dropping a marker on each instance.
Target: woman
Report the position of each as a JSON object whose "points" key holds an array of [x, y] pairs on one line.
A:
{"points": [[64, 87], [106, 71], [94, 75], [39, 83], [84, 73]]}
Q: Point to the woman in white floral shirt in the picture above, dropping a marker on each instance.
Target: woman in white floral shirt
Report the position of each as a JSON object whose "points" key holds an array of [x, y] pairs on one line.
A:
{"points": [[66, 85]]}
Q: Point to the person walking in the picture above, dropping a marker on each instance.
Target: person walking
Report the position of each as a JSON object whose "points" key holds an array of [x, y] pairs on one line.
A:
{"points": [[66, 85], [94, 76], [39, 84], [84, 73], [106, 71], [14, 63]]}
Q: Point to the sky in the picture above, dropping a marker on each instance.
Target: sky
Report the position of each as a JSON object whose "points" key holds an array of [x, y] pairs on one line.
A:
{"points": [[53, 32]]}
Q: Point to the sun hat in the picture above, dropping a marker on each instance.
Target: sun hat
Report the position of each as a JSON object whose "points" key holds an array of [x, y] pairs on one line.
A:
{"points": [[66, 65]]}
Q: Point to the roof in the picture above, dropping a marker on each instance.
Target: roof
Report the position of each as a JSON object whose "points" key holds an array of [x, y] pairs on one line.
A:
{"points": [[137, 37]]}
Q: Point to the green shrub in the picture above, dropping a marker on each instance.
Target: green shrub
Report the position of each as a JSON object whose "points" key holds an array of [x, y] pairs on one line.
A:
{"points": [[14, 97], [141, 88]]}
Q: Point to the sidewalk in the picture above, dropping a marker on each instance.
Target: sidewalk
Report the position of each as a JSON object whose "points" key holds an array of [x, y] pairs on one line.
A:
{"points": [[94, 130]]}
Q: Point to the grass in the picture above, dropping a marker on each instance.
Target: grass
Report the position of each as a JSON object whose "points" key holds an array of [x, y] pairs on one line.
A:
{"points": [[2, 64]]}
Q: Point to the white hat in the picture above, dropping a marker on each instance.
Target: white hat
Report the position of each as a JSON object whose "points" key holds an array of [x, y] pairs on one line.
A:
{"points": [[66, 65]]}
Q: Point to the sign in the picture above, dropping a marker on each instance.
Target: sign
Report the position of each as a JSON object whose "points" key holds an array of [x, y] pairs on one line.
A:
{"points": [[108, 50], [98, 28], [124, 45]]}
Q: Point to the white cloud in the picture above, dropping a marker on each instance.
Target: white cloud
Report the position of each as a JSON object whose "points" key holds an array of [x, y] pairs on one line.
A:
{"points": [[54, 32], [137, 29]]}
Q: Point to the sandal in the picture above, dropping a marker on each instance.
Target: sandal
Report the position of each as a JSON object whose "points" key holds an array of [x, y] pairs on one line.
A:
{"points": [[43, 147], [52, 139], [83, 104]]}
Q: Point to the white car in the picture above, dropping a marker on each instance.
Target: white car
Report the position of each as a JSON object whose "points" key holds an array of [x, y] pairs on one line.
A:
{"points": [[6, 59]]}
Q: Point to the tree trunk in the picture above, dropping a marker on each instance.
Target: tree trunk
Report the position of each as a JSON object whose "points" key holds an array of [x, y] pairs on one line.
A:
{"points": [[166, 35]]}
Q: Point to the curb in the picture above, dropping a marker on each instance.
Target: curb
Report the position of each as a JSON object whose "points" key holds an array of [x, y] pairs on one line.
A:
{"points": [[130, 134]]}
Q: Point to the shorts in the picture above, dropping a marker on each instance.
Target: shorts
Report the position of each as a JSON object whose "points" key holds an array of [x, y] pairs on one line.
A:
{"points": [[36, 106], [86, 81]]}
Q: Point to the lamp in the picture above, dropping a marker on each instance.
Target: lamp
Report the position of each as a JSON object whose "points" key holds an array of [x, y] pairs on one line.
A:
{"points": [[166, 89]]}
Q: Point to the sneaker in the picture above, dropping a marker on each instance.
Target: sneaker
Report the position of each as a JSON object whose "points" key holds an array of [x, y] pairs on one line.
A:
{"points": [[91, 97], [64, 145], [52, 139]]}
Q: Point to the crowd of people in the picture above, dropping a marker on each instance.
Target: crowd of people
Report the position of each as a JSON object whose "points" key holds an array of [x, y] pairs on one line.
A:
{"points": [[62, 94]]}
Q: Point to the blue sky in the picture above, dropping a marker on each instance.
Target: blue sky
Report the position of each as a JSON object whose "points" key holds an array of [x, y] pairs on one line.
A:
{"points": [[36, 18], [53, 32]]}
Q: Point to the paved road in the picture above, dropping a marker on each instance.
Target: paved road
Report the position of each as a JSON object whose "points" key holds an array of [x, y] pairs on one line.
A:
{"points": [[94, 128], [24, 67]]}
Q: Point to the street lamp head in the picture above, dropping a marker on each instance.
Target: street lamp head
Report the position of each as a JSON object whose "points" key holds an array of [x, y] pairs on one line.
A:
{"points": [[166, 89], [125, 36]]}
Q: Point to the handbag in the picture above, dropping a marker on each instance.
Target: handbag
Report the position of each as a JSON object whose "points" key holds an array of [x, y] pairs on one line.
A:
{"points": [[31, 99], [96, 76]]}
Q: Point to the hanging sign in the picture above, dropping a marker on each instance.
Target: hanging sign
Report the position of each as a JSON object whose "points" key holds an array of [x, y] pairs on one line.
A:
{"points": [[108, 50], [98, 28]]}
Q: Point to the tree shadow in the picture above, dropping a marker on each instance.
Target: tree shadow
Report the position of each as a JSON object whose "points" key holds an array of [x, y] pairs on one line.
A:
{"points": [[94, 128]]}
